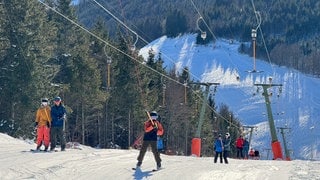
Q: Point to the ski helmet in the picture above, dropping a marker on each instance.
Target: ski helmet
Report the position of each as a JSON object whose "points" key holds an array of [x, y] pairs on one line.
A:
{"points": [[44, 101], [154, 115], [57, 99]]}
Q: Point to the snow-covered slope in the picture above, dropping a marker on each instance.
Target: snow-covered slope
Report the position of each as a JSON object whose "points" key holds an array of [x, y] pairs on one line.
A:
{"points": [[296, 108], [16, 162]]}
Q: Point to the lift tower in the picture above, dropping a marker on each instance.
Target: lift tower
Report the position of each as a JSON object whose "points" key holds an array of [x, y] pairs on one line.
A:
{"points": [[196, 142], [251, 130], [275, 144], [286, 150]]}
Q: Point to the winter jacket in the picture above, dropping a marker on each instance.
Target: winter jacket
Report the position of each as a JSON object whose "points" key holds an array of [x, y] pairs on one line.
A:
{"points": [[43, 116], [152, 130], [58, 114], [218, 145], [239, 142], [246, 145], [226, 144]]}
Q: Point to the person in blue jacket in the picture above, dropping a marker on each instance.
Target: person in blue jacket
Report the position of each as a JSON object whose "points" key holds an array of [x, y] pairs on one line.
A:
{"points": [[245, 149], [58, 115], [218, 147]]}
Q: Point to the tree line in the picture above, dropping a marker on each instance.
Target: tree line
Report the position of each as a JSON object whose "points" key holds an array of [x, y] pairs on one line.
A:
{"points": [[288, 26], [105, 89]]}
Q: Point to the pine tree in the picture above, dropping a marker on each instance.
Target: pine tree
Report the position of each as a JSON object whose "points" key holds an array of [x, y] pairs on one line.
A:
{"points": [[26, 76], [125, 96]]}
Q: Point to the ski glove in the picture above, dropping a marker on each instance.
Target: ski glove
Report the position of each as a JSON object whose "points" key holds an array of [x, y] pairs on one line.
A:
{"points": [[155, 127], [36, 124], [48, 125]]}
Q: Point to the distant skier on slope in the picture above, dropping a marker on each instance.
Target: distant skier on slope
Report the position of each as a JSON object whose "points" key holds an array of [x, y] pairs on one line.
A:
{"points": [[245, 150], [152, 129], [58, 114], [218, 148], [43, 123], [226, 147], [239, 146]]}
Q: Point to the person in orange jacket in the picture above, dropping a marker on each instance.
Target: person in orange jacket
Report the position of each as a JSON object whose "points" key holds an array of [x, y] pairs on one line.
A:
{"points": [[43, 124], [152, 129]]}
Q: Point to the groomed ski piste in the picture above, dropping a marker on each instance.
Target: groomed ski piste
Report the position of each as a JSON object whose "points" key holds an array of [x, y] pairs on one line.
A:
{"points": [[90, 163], [295, 107]]}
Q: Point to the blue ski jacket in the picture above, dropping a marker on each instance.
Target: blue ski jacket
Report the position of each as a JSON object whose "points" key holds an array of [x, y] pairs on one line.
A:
{"points": [[58, 115], [218, 145]]}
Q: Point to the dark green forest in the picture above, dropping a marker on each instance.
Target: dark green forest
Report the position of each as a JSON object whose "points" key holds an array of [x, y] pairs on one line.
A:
{"points": [[104, 84], [289, 28], [80, 53]]}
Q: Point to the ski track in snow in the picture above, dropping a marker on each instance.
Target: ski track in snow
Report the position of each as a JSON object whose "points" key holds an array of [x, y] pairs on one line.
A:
{"points": [[17, 163]]}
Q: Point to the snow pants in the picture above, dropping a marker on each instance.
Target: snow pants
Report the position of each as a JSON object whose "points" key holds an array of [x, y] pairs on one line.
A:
{"points": [[56, 134], [43, 136], [225, 156], [239, 153], [216, 157], [145, 145]]}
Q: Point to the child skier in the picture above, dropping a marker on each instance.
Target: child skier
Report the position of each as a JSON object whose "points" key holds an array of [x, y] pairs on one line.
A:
{"points": [[43, 124]]}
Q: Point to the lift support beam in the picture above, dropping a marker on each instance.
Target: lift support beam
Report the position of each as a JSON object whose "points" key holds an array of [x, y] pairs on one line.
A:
{"points": [[275, 144], [196, 142]]}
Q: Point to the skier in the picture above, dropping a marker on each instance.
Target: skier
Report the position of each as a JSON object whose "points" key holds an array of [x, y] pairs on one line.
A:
{"points": [[226, 147], [251, 153], [239, 146], [58, 114], [43, 123], [152, 129], [245, 148], [218, 147]]}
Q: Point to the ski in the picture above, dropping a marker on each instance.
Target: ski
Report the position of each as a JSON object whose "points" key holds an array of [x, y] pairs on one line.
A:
{"points": [[153, 170], [35, 150], [54, 150], [158, 169], [42, 151]]}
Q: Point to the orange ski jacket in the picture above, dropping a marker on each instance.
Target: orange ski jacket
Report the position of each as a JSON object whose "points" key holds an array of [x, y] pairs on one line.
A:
{"points": [[43, 116]]}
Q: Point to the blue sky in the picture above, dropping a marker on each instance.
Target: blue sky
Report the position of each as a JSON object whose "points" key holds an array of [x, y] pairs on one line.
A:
{"points": [[297, 107]]}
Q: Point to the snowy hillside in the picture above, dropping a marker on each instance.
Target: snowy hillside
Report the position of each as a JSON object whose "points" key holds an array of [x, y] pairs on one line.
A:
{"points": [[17, 162], [296, 108]]}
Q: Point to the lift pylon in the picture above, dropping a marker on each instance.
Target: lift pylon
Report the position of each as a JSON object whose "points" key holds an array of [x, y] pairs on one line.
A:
{"points": [[275, 144], [286, 150], [196, 142], [251, 130]]}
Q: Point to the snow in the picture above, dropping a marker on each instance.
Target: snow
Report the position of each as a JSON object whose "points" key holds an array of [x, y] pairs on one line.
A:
{"points": [[17, 162], [296, 108]]}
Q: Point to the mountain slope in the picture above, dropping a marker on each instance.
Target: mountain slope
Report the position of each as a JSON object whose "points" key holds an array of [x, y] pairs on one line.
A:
{"points": [[297, 107]]}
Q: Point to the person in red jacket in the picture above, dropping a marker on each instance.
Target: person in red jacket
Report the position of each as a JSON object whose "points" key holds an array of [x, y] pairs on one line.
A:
{"points": [[251, 153], [152, 129], [239, 146]]}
